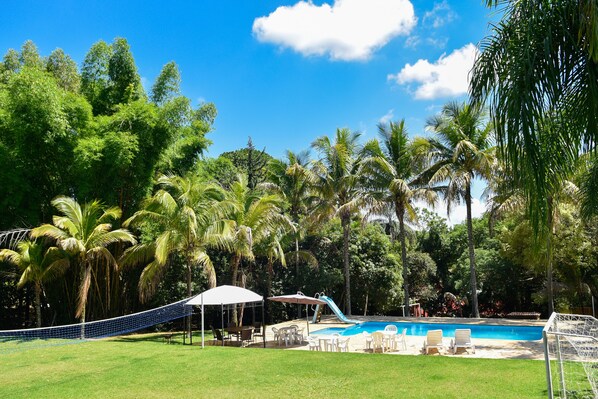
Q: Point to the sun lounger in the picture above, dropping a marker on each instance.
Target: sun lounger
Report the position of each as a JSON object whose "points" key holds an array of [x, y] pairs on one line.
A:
{"points": [[462, 340], [433, 341]]}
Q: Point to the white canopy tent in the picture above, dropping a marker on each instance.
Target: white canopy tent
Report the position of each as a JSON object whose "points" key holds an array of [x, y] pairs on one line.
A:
{"points": [[224, 295]]}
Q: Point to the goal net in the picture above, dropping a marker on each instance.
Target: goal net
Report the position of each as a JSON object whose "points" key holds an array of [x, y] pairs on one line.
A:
{"points": [[14, 340], [571, 356]]}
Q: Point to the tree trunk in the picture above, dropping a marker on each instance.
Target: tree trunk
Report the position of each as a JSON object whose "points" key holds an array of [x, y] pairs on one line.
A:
{"points": [[346, 223], [365, 308], [38, 304], [549, 257], [234, 264], [189, 292], [297, 272], [400, 210], [473, 280]]}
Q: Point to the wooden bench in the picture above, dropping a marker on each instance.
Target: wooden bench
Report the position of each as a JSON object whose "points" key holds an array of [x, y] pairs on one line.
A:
{"points": [[524, 315]]}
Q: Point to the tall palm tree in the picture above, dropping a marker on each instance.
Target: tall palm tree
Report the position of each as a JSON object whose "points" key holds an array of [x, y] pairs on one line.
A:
{"points": [[37, 266], [253, 217], [339, 187], [540, 62], [461, 151], [391, 171], [188, 216], [292, 178], [85, 232]]}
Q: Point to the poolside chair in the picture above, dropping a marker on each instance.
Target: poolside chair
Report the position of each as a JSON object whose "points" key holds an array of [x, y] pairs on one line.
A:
{"points": [[391, 327], [298, 335], [313, 343], [401, 339], [277, 335], [257, 330], [342, 344], [368, 340], [433, 341], [378, 341], [462, 340]]}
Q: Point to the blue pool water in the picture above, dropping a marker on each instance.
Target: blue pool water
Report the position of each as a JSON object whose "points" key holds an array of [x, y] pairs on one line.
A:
{"points": [[490, 331]]}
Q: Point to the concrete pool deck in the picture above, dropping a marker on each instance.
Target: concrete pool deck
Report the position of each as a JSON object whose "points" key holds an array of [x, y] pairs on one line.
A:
{"points": [[485, 348]]}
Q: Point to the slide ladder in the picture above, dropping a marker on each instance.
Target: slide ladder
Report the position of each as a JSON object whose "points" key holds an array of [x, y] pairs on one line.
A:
{"points": [[337, 312]]}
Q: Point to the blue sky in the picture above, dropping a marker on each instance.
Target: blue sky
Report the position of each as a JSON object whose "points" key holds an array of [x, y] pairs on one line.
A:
{"points": [[282, 72]]}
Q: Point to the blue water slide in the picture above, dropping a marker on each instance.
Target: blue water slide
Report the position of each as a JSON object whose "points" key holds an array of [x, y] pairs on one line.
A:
{"points": [[334, 309]]}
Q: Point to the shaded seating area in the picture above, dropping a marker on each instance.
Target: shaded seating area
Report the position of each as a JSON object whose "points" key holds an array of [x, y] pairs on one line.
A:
{"points": [[226, 295]]}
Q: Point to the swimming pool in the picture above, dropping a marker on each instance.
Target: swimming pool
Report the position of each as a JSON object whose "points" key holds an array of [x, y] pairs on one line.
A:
{"points": [[490, 331]]}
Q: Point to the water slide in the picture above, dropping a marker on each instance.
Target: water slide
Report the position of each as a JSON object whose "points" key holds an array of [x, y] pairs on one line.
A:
{"points": [[334, 309]]}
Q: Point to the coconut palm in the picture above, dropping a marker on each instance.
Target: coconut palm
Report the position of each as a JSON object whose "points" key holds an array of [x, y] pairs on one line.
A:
{"points": [[460, 151], [85, 232], [253, 218], [339, 187], [540, 62], [391, 173], [37, 266], [188, 217], [293, 180]]}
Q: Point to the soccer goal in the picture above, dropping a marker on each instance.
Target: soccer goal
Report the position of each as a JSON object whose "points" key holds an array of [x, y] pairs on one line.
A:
{"points": [[571, 356]]}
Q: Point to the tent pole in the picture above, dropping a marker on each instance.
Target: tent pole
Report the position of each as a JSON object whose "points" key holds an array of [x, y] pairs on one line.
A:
{"points": [[202, 324], [222, 320]]}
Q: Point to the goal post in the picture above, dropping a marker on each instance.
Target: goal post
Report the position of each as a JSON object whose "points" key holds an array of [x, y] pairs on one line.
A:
{"points": [[571, 355]]}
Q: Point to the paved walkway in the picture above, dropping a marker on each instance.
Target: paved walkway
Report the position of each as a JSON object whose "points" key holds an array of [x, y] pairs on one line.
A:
{"points": [[485, 348]]}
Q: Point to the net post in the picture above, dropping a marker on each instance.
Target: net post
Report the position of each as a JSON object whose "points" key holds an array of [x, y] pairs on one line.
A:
{"points": [[547, 361], [560, 365]]}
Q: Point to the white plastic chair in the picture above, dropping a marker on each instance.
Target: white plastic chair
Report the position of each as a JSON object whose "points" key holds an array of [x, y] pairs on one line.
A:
{"points": [[378, 341], [342, 344], [298, 335], [401, 339], [313, 343], [462, 340], [277, 335], [368, 340], [433, 341]]}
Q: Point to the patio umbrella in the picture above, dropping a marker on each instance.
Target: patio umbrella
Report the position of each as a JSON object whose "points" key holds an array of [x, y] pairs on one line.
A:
{"points": [[301, 299]]}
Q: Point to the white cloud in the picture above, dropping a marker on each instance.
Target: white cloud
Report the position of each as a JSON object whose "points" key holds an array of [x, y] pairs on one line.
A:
{"points": [[387, 117], [458, 212], [347, 30], [412, 41], [441, 14], [446, 77], [437, 42]]}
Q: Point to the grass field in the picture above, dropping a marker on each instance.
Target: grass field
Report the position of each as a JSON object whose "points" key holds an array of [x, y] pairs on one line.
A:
{"points": [[135, 367]]}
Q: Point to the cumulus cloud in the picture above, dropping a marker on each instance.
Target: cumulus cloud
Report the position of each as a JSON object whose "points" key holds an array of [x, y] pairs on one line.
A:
{"points": [[387, 117], [441, 14], [346, 30], [446, 77]]}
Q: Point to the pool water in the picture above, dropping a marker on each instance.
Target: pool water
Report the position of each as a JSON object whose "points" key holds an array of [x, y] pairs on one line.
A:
{"points": [[489, 331]]}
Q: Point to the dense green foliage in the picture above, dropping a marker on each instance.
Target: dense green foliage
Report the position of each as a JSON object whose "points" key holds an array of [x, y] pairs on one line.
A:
{"points": [[109, 158]]}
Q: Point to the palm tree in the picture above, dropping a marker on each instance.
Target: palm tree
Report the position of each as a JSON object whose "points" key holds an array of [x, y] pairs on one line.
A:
{"points": [[85, 232], [37, 267], [339, 187], [391, 172], [540, 63], [461, 151], [293, 180], [253, 218], [188, 216]]}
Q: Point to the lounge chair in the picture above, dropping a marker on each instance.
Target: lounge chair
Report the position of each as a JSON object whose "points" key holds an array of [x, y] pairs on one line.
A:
{"points": [[378, 341], [462, 340], [433, 341], [368, 340]]}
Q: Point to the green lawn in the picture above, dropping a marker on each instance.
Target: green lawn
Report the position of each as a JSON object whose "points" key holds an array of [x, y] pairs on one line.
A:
{"points": [[148, 368]]}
